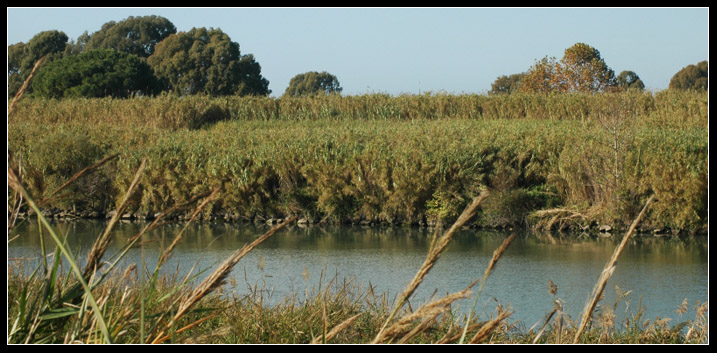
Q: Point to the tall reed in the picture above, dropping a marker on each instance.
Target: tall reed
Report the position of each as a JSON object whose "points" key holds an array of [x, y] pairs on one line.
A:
{"points": [[607, 273], [433, 255]]}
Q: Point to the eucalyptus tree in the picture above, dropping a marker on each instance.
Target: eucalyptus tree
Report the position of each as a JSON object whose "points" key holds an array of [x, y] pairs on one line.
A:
{"points": [[694, 77], [206, 61], [628, 80], [133, 35], [23, 56], [313, 83], [506, 84]]}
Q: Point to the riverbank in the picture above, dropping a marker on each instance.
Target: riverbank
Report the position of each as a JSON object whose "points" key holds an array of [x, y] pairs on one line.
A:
{"points": [[219, 217]]}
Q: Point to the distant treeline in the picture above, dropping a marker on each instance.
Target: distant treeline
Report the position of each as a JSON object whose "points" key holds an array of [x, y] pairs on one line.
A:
{"points": [[144, 56]]}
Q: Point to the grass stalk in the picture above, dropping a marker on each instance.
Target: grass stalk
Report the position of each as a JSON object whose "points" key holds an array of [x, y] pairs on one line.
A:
{"points": [[216, 278], [497, 254], [103, 241], [14, 183], [491, 325], [436, 251], [25, 85], [336, 330], [607, 273], [77, 175], [178, 237]]}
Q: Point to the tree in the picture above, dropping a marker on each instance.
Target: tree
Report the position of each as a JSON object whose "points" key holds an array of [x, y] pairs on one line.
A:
{"points": [[75, 47], [206, 61], [96, 73], [694, 77], [584, 70], [252, 82], [581, 69], [15, 76], [506, 84], [134, 35], [313, 83], [544, 76], [628, 80], [22, 57]]}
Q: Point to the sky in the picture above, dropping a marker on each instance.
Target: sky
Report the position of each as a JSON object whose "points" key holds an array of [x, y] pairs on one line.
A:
{"points": [[418, 50]]}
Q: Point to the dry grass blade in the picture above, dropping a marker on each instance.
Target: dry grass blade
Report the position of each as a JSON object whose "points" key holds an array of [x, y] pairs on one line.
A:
{"points": [[14, 209], [455, 334], [497, 254], [556, 308], [335, 331], [427, 313], [435, 252], [185, 328], [101, 244], [216, 278], [25, 85], [486, 330], [607, 273], [156, 223], [548, 218], [176, 240]]}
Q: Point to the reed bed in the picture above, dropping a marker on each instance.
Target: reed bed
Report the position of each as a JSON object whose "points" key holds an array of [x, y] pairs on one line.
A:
{"points": [[397, 172], [676, 109]]}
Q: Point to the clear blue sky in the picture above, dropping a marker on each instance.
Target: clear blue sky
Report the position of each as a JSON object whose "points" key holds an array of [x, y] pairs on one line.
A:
{"points": [[404, 50]]}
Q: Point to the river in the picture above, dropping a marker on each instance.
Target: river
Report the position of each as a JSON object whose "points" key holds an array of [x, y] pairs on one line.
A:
{"points": [[659, 272]]}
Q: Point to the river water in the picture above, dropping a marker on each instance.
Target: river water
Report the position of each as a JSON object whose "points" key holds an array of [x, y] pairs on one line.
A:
{"points": [[660, 273]]}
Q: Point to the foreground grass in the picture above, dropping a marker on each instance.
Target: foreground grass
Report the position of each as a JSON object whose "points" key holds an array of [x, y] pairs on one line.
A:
{"points": [[230, 318]]}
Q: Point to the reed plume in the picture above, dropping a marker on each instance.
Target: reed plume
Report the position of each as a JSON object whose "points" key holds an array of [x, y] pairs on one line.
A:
{"points": [[433, 255], [25, 85], [102, 242], [216, 278], [607, 273]]}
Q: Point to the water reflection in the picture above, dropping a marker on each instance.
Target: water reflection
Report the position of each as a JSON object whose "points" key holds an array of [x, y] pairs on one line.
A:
{"points": [[662, 272]]}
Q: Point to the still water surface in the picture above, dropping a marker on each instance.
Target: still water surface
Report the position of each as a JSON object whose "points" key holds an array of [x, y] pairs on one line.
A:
{"points": [[659, 272]]}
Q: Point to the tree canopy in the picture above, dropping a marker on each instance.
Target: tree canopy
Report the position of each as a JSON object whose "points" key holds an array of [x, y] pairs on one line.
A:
{"points": [[506, 84], [694, 77], [206, 61], [581, 69], [312, 83], [134, 35], [584, 70], [22, 57], [96, 73], [543, 76], [628, 80]]}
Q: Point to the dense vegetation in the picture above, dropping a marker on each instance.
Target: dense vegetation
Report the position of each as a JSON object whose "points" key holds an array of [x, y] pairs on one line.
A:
{"points": [[560, 160]]}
